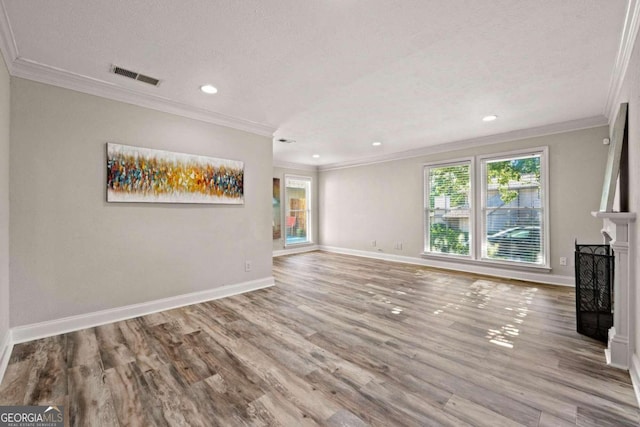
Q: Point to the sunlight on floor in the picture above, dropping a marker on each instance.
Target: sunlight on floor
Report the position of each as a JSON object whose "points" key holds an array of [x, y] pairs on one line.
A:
{"points": [[480, 294], [505, 334], [382, 299]]}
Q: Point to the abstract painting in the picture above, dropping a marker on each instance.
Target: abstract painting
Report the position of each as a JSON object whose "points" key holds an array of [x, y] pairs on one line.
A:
{"points": [[137, 174]]}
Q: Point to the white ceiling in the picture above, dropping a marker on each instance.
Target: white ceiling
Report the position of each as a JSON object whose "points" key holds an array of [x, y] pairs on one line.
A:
{"points": [[335, 75]]}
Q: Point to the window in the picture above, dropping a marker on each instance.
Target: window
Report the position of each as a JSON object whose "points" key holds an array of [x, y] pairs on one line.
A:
{"points": [[514, 208], [297, 195], [448, 208]]}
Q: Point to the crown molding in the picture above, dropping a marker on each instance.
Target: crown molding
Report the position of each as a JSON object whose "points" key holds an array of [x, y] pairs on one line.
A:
{"points": [[515, 135], [42, 73], [295, 166], [8, 46], [627, 43], [32, 70]]}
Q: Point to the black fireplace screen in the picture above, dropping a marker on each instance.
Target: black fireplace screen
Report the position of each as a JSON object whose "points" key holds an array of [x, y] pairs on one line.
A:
{"points": [[594, 294]]}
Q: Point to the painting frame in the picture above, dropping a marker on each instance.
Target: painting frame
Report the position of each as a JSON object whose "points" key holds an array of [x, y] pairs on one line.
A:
{"points": [[613, 160], [147, 175], [277, 210]]}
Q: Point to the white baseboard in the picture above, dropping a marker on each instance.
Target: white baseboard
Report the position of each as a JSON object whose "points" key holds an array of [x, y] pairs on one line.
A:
{"points": [[634, 372], [296, 250], [35, 331], [547, 278], [6, 346]]}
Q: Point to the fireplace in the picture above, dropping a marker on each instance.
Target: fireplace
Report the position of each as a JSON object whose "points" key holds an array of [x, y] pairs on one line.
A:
{"points": [[618, 233], [594, 282]]}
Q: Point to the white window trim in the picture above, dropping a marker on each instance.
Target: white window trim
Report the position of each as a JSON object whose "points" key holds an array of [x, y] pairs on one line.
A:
{"points": [[544, 175], [309, 211], [476, 220], [472, 223]]}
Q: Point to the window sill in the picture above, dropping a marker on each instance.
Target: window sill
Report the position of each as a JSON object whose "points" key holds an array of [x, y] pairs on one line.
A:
{"points": [[487, 263]]}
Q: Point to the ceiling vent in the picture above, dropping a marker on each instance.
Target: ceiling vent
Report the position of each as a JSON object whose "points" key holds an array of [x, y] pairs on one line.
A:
{"points": [[134, 75]]}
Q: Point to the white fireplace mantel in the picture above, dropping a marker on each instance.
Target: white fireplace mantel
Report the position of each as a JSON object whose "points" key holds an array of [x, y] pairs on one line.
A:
{"points": [[617, 232]]}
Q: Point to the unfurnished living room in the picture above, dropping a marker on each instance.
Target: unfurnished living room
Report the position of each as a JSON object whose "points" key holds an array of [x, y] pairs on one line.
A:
{"points": [[323, 212]]}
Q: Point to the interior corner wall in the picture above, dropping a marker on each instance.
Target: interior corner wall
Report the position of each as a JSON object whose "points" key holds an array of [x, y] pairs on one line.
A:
{"points": [[278, 172], [630, 92], [4, 204], [73, 253], [384, 201]]}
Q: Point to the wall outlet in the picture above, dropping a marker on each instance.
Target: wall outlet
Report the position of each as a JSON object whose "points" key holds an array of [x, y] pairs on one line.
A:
{"points": [[373, 243], [247, 266], [398, 246], [563, 260]]}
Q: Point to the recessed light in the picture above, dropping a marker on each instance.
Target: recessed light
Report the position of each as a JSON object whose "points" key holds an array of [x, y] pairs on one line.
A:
{"points": [[376, 143], [208, 89], [489, 118], [316, 156]]}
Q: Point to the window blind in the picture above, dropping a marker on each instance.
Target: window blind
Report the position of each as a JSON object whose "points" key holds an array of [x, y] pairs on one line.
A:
{"points": [[447, 208], [513, 211]]}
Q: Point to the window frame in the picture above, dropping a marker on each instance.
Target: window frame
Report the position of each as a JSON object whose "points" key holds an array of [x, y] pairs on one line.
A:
{"points": [[425, 202], [308, 209], [543, 152], [477, 200]]}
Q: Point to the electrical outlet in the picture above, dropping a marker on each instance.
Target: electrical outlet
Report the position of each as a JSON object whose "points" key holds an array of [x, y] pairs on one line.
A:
{"points": [[247, 266], [563, 260], [398, 246], [373, 243]]}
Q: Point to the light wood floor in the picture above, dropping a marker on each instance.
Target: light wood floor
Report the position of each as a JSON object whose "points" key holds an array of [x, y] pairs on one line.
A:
{"points": [[340, 341]]}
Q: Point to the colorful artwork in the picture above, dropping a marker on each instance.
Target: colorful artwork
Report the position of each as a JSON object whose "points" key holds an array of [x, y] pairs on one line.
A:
{"points": [[144, 175], [277, 222]]}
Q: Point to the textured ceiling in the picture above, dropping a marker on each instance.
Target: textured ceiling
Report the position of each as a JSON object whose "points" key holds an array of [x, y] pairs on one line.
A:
{"points": [[336, 75]]}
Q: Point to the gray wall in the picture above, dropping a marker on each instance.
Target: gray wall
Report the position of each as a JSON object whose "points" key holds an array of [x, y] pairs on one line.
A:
{"points": [[278, 172], [4, 201], [384, 202], [73, 253]]}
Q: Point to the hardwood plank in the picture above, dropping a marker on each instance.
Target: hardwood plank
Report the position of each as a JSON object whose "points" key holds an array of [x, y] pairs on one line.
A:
{"points": [[479, 415], [594, 417], [113, 349], [47, 374], [135, 337], [175, 406], [548, 420], [83, 348], [14, 383], [340, 340], [275, 409], [130, 395], [90, 401], [350, 397], [344, 418]]}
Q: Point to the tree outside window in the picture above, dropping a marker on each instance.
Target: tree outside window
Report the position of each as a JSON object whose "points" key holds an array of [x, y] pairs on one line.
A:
{"points": [[447, 211]]}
